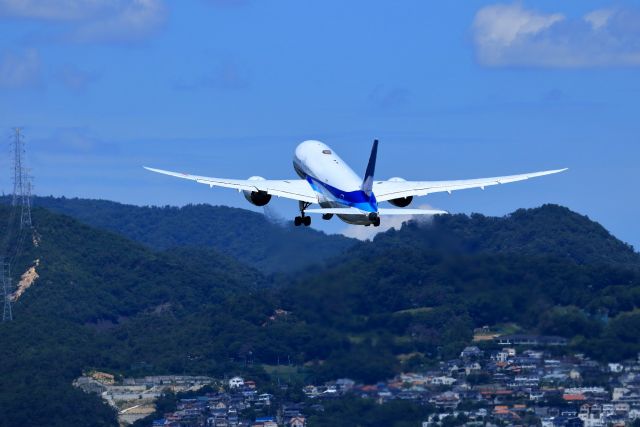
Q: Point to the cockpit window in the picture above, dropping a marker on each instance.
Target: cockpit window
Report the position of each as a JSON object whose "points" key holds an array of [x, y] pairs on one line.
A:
{"points": [[326, 151]]}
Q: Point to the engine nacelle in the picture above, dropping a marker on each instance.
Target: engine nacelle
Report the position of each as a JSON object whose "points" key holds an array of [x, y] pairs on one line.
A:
{"points": [[401, 202], [257, 198]]}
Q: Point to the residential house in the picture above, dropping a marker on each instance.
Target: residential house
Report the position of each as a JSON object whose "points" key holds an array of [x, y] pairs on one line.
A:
{"points": [[443, 381], [616, 367], [298, 421], [591, 415], [265, 422], [236, 382], [447, 400], [471, 352], [532, 340], [345, 384]]}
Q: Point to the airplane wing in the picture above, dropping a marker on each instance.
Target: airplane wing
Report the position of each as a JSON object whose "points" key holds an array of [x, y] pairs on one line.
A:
{"points": [[388, 190], [297, 189]]}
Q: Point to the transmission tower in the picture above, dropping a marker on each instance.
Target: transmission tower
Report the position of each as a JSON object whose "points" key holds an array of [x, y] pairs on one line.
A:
{"points": [[5, 276], [21, 180], [16, 230]]}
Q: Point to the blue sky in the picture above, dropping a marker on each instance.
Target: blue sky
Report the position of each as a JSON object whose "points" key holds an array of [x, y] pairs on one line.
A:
{"points": [[229, 87]]}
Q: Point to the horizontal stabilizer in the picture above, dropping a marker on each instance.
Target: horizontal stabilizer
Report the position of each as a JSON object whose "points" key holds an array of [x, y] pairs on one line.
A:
{"points": [[381, 212], [391, 211], [336, 211]]}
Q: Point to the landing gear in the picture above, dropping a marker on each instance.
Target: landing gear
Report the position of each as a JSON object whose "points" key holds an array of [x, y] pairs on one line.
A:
{"points": [[375, 219], [302, 219]]}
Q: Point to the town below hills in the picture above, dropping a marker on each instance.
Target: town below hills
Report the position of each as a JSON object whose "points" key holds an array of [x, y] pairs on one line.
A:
{"points": [[217, 291]]}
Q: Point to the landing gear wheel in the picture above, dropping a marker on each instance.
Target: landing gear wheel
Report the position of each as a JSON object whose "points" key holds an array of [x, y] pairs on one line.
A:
{"points": [[375, 219], [303, 219]]}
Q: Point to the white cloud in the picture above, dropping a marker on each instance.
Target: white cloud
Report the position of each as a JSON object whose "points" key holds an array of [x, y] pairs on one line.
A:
{"points": [[135, 20], [512, 35], [93, 20], [502, 25], [20, 70], [362, 232], [599, 18]]}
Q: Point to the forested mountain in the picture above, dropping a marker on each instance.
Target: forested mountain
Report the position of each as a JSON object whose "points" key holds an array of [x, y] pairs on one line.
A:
{"points": [[425, 288], [549, 231], [245, 235], [403, 301], [104, 301]]}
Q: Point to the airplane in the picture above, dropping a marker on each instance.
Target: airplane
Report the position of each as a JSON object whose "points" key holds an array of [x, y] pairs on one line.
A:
{"points": [[328, 181]]}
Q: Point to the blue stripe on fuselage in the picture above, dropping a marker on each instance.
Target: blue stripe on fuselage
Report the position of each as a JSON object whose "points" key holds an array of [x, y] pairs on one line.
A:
{"points": [[357, 199]]}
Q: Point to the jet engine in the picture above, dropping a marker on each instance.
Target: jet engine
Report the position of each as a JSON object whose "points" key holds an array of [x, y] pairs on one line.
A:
{"points": [[257, 198], [401, 202]]}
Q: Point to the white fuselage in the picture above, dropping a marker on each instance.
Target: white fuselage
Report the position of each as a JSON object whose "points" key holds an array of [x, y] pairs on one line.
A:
{"points": [[335, 183]]}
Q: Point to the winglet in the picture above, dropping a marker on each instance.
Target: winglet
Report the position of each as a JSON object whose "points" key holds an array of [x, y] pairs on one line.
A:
{"points": [[367, 183]]}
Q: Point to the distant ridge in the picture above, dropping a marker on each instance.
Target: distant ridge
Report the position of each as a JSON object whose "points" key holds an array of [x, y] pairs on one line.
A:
{"points": [[549, 230], [249, 237], [244, 235]]}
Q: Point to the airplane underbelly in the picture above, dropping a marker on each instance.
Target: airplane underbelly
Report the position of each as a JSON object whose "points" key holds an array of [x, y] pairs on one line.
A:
{"points": [[355, 219], [349, 219]]}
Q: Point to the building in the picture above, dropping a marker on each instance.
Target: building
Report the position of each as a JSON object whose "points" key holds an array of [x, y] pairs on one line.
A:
{"points": [[236, 382], [298, 421], [532, 340], [471, 351]]}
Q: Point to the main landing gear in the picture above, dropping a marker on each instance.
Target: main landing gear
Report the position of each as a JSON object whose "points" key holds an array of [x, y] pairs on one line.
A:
{"points": [[302, 219], [375, 219]]}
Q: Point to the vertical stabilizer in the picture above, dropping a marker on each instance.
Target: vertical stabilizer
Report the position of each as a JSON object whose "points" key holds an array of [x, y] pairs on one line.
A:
{"points": [[367, 184]]}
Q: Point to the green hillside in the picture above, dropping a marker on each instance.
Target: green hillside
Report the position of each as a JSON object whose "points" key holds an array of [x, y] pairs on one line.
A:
{"points": [[102, 300], [245, 235], [408, 299], [423, 289], [550, 230]]}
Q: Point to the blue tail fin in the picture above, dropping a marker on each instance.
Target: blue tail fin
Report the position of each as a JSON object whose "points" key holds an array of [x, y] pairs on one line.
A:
{"points": [[367, 184]]}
